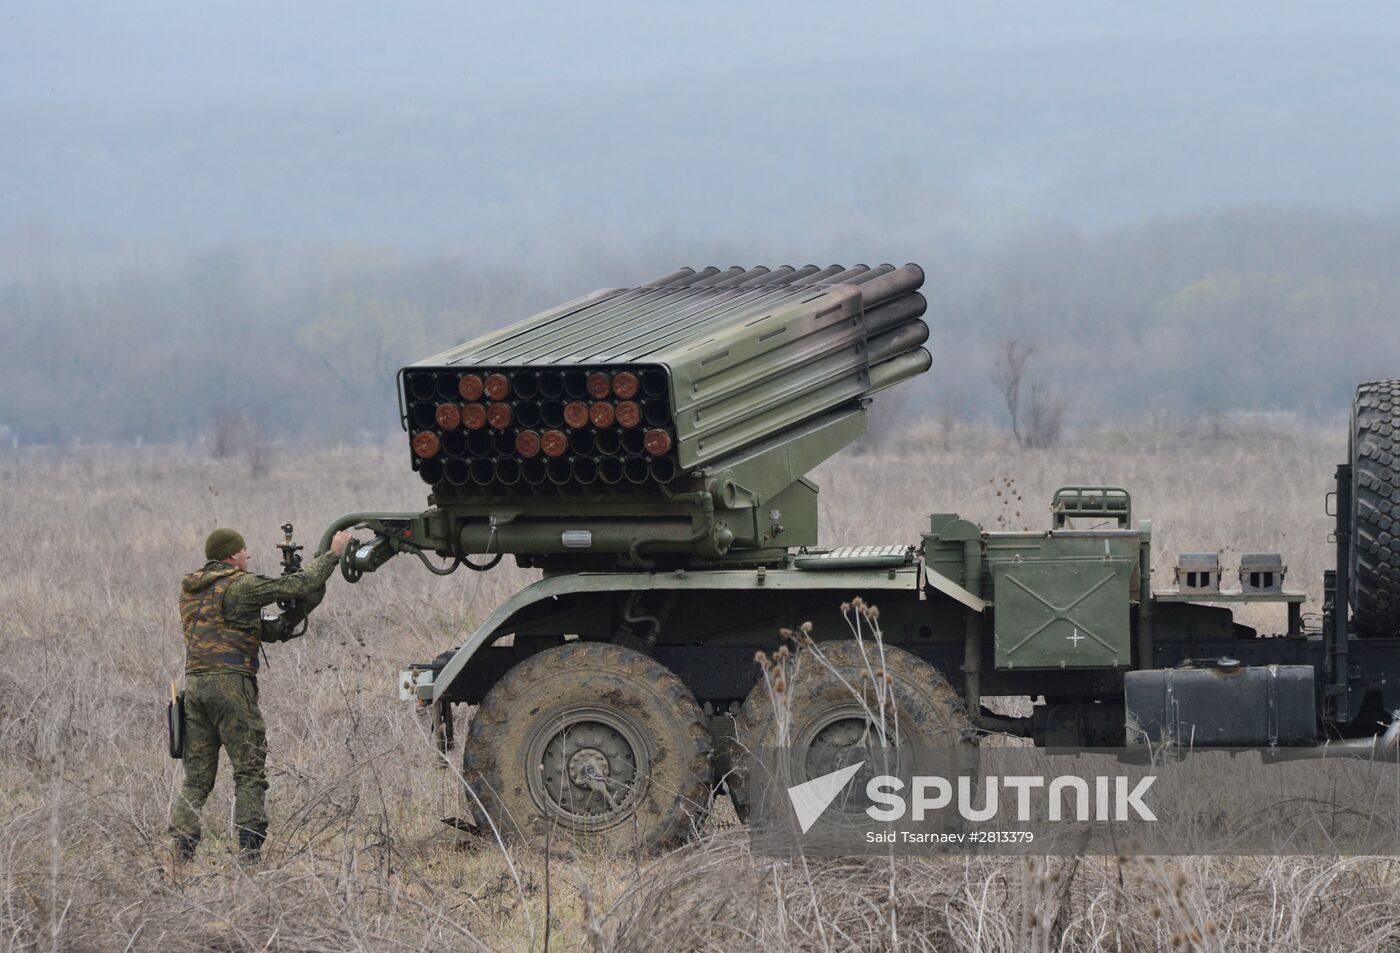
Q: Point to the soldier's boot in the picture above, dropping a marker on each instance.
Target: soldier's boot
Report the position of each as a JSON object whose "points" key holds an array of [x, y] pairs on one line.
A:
{"points": [[250, 841], [184, 848]]}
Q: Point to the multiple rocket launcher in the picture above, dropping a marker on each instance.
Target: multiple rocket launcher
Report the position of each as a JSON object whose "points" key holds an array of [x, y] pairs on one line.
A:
{"points": [[630, 389], [499, 429]]}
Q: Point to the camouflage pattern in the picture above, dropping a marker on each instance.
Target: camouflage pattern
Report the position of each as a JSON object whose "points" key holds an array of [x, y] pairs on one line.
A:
{"points": [[221, 612], [221, 711]]}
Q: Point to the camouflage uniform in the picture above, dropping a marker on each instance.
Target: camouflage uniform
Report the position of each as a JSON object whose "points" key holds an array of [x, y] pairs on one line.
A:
{"points": [[221, 612]]}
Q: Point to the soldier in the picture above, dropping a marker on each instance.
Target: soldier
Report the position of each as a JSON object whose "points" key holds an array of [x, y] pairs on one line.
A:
{"points": [[221, 611]]}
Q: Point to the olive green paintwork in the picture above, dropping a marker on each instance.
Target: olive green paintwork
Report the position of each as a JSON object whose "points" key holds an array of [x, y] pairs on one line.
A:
{"points": [[1062, 612], [746, 359], [872, 582]]}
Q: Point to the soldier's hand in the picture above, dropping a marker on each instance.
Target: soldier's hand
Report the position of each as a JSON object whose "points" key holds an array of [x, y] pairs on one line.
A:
{"points": [[339, 540]]}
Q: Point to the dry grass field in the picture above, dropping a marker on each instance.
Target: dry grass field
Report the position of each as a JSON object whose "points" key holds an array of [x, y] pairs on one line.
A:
{"points": [[358, 859]]}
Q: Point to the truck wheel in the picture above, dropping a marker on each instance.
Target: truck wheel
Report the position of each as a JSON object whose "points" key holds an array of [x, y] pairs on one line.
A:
{"points": [[1375, 508], [597, 741], [827, 718]]}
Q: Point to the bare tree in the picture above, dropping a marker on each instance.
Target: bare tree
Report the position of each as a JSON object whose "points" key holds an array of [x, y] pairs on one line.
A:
{"points": [[1044, 420], [235, 434], [1047, 414], [1010, 374], [949, 415]]}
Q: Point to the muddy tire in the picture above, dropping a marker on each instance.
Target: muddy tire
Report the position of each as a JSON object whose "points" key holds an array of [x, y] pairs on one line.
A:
{"points": [[594, 744], [827, 718], [1375, 509]]}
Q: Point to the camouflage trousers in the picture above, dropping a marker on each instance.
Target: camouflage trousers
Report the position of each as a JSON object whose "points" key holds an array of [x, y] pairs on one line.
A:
{"points": [[221, 711]]}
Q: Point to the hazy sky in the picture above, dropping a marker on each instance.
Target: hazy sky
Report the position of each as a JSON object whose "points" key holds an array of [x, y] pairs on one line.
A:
{"points": [[513, 126], [1182, 180], [147, 51]]}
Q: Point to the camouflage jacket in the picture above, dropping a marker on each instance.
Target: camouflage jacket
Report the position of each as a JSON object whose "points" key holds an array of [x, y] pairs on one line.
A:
{"points": [[221, 612]]}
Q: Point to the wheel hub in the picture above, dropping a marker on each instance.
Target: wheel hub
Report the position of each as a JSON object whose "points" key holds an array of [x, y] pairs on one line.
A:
{"points": [[831, 748], [591, 770], [588, 768]]}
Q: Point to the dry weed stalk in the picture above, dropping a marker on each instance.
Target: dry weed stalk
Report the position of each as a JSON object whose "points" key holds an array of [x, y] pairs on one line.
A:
{"points": [[360, 859]]}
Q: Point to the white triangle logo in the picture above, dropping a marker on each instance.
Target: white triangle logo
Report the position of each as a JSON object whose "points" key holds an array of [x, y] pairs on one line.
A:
{"points": [[811, 798]]}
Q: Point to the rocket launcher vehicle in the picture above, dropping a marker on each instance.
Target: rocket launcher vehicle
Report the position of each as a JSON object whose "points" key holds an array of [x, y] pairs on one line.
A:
{"points": [[673, 421]]}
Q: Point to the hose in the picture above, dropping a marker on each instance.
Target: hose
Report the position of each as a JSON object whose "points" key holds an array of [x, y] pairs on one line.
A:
{"points": [[354, 574], [356, 519], [707, 502], [436, 571], [629, 616]]}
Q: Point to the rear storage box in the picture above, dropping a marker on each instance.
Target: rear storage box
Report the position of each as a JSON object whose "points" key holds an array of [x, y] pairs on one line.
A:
{"points": [[1063, 598]]}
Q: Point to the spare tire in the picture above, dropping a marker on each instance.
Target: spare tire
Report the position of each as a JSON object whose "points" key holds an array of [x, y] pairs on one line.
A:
{"points": [[1375, 509]]}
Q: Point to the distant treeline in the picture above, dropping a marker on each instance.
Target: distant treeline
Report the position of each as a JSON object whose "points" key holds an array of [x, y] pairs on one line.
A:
{"points": [[1252, 308]]}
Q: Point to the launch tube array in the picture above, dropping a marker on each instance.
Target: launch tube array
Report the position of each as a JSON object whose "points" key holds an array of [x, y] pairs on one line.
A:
{"points": [[631, 389]]}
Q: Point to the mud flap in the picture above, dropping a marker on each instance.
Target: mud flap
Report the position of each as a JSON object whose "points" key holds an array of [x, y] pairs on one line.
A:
{"points": [[175, 722]]}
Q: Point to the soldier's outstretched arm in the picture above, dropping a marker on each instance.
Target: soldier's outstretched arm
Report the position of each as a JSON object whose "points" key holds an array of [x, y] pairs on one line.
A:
{"points": [[258, 591], [251, 593]]}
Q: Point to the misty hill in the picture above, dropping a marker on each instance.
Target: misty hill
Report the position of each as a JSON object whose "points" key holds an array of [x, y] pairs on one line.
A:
{"points": [[253, 207], [1253, 308]]}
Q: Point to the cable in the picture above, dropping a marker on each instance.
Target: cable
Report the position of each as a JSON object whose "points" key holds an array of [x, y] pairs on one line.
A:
{"points": [[449, 570], [462, 557]]}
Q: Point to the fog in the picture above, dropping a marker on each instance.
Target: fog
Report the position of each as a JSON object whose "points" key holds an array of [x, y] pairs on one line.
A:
{"points": [[259, 205]]}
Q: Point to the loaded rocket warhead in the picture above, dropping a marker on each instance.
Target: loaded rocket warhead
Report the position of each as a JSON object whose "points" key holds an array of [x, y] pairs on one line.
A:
{"points": [[599, 385], [576, 414], [425, 444], [497, 386], [587, 394], [527, 443], [498, 416], [448, 416], [657, 442], [470, 387], [628, 414], [601, 414], [554, 443], [625, 385], [473, 416]]}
